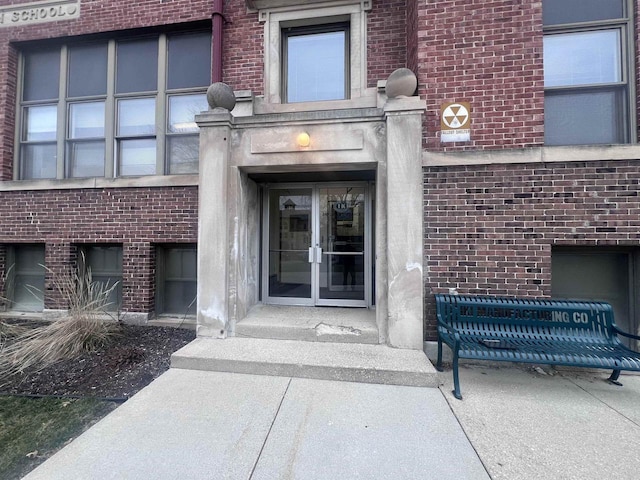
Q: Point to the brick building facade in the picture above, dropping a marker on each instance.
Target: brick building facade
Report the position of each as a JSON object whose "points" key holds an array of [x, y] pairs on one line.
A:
{"points": [[508, 212]]}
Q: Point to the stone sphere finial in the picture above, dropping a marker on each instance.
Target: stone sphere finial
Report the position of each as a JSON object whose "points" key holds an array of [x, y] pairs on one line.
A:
{"points": [[401, 83], [220, 95]]}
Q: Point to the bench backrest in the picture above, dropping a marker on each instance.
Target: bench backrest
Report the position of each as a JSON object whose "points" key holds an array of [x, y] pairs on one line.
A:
{"points": [[541, 316]]}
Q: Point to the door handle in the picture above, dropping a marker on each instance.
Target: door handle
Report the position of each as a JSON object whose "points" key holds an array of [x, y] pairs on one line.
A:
{"points": [[315, 255]]}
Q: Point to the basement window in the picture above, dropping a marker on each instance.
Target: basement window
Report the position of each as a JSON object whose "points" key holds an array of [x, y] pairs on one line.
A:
{"points": [[25, 274], [176, 272], [105, 265]]}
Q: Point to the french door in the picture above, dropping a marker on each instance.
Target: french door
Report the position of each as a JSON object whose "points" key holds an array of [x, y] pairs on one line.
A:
{"points": [[316, 245]]}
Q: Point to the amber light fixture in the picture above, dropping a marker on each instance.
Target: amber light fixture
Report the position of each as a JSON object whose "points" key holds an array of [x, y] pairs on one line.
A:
{"points": [[303, 139]]}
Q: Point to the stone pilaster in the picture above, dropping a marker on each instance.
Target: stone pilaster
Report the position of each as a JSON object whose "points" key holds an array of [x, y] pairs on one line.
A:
{"points": [[213, 259], [404, 222]]}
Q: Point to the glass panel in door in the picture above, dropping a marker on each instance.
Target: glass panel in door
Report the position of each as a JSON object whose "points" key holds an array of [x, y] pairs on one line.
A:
{"points": [[289, 242], [342, 235]]}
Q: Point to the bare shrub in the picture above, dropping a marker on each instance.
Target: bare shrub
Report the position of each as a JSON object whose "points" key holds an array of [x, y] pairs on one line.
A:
{"points": [[82, 329]]}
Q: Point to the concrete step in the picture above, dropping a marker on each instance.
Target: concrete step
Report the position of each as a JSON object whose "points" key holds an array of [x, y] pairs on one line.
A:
{"points": [[310, 324], [351, 362]]}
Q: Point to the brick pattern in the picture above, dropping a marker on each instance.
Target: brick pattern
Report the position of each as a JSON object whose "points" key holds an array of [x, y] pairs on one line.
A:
{"points": [[490, 229], [243, 45], [412, 35], [137, 218], [488, 53], [386, 39], [59, 259], [138, 275]]}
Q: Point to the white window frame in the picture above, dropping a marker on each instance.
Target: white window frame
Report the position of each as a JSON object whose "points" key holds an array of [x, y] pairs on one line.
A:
{"points": [[627, 83], [275, 19]]}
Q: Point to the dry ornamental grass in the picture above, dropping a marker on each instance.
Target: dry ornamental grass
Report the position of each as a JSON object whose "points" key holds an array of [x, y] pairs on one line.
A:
{"points": [[82, 329]]}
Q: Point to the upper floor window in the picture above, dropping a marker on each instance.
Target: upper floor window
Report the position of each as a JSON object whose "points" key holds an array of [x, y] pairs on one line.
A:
{"points": [[314, 51], [587, 72], [113, 108], [316, 65]]}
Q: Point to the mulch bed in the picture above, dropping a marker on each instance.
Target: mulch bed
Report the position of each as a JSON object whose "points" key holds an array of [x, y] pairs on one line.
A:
{"points": [[117, 371]]}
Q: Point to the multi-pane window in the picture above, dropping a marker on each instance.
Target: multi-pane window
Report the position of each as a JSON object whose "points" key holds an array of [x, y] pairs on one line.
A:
{"points": [[114, 108], [586, 72], [25, 277], [316, 63], [177, 280], [105, 264]]}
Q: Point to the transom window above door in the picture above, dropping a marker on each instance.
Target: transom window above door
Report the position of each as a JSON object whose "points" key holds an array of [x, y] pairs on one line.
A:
{"points": [[113, 108]]}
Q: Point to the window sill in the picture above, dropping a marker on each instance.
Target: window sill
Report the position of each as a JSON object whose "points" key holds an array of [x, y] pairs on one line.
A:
{"points": [[86, 183], [262, 107]]}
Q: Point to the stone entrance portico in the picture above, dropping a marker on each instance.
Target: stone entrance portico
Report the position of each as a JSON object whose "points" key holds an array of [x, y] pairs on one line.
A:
{"points": [[239, 148]]}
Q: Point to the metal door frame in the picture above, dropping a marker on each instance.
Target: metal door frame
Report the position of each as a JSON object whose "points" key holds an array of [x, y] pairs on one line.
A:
{"points": [[314, 252]]}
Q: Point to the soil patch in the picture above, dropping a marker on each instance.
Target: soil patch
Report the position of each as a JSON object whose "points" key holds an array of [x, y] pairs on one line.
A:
{"points": [[133, 359]]}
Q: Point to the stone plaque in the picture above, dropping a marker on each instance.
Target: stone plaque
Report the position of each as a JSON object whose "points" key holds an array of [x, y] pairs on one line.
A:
{"points": [[39, 12]]}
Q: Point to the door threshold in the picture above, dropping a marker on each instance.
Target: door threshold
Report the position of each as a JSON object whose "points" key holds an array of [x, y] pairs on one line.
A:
{"points": [[312, 324]]}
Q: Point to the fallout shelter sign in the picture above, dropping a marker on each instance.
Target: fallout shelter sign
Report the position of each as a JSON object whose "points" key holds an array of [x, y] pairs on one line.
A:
{"points": [[455, 122]]}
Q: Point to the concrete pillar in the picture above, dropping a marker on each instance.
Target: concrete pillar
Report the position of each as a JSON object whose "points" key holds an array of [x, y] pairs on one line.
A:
{"points": [[404, 222], [213, 215]]}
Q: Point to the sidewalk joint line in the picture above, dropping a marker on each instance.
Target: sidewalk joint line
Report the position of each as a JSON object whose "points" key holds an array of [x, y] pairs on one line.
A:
{"points": [[446, 399], [602, 401], [264, 443]]}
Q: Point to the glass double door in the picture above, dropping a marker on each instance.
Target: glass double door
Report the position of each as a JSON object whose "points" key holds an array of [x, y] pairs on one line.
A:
{"points": [[316, 245]]}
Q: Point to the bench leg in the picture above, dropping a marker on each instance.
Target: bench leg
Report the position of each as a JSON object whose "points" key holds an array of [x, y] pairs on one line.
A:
{"points": [[456, 378], [613, 379], [439, 363]]}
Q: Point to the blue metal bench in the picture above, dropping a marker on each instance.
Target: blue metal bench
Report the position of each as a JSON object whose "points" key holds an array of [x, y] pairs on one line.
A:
{"points": [[554, 332]]}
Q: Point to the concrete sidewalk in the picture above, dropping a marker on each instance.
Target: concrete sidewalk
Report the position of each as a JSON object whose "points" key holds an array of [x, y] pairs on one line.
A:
{"points": [[522, 423], [215, 425], [528, 423]]}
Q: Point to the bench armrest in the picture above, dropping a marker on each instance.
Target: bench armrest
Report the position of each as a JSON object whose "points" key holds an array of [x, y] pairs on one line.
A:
{"points": [[447, 326], [625, 334]]}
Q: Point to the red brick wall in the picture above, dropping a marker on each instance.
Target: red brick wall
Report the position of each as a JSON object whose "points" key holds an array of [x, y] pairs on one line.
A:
{"points": [[412, 35], [386, 39], [490, 229], [243, 46], [136, 218], [488, 53]]}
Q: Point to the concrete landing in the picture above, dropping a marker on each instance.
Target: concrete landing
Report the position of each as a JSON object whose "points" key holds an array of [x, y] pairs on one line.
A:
{"points": [[211, 425], [352, 362], [311, 324]]}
